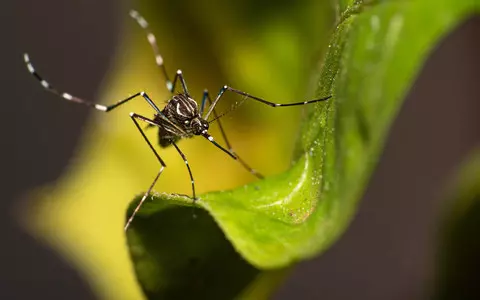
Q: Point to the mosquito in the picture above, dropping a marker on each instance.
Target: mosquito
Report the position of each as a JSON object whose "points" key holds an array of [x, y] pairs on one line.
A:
{"points": [[180, 118]]}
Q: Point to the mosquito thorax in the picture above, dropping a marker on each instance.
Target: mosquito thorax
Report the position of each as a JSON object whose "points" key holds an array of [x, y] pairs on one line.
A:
{"points": [[199, 126]]}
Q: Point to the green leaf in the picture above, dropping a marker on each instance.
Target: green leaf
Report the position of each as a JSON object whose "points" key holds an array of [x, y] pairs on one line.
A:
{"points": [[459, 249], [375, 52], [192, 252]]}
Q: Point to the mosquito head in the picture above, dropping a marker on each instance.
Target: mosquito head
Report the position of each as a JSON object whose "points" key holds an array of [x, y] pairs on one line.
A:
{"points": [[199, 126]]}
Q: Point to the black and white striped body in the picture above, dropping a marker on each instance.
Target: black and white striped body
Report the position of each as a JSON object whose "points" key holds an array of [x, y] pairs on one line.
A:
{"points": [[180, 118], [181, 111]]}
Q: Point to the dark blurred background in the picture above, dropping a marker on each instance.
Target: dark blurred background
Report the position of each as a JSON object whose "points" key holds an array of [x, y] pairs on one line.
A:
{"points": [[387, 253]]}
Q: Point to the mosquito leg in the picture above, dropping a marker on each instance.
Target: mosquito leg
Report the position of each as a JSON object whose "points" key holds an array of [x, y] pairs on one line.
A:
{"points": [[153, 43], [66, 96], [206, 96], [158, 57], [135, 116], [204, 99], [179, 75], [189, 170], [69, 97], [272, 104], [142, 94]]}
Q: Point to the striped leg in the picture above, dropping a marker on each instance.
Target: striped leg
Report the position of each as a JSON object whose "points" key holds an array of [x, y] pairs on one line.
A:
{"points": [[272, 104], [69, 97], [158, 57], [179, 75], [153, 42], [189, 170], [135, 116], [206, 96], [212, 140]]}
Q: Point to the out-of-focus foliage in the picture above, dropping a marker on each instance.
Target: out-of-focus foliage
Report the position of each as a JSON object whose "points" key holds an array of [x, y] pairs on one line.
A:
{"points": [[373, 57], [459, 250], [269, 50]]}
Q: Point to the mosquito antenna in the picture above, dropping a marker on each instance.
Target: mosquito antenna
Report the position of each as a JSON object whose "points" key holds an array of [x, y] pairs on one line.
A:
{"points": [[232, 108]]}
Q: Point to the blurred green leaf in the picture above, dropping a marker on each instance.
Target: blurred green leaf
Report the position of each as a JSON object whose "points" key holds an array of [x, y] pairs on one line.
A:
{"points": [[375, 52], [459, 251]]}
